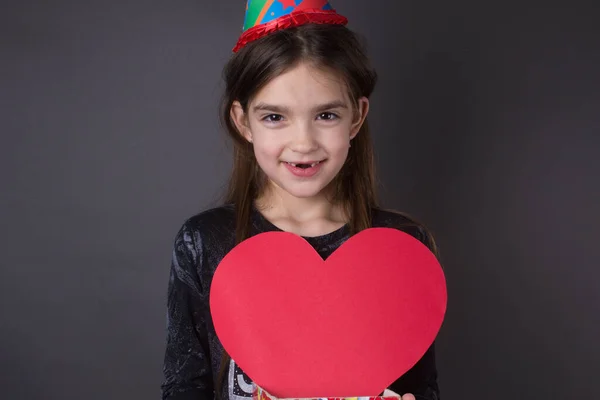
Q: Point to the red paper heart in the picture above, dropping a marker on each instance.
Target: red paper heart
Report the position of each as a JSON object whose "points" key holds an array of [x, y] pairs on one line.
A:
{"points": [[348, 326]]}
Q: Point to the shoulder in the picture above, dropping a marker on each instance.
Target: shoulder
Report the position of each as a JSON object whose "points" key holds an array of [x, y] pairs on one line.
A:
{"points": [[383, 218], [199, 244], [207, 220], [204, 238], [212, 225]]}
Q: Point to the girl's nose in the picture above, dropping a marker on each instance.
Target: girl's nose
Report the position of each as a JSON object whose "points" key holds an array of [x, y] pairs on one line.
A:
{"points": [[304, 140]]}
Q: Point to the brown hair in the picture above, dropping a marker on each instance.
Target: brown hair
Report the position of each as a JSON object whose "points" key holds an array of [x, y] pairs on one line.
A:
{"points": [[329, 47]]}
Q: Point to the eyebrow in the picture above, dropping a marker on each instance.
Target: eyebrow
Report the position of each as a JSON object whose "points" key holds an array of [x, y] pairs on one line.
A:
{"points": [[284, 110]]}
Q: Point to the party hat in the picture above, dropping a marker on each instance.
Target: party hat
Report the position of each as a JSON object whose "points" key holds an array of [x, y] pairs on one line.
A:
{"points": [[266, 16]]}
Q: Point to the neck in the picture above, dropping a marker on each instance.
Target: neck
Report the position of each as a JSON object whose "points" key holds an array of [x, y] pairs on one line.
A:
{"points": [[279, 204]]}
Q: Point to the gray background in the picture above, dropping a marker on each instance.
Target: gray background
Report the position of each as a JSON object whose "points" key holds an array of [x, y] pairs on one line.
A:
{"points": [[486, 122]]}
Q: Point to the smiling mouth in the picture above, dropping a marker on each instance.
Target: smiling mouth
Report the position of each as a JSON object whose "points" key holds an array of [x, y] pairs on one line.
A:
{"points": [[305, 165]]}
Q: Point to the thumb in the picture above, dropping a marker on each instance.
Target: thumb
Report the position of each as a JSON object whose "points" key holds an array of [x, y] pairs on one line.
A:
{"points": [[408, 397]]}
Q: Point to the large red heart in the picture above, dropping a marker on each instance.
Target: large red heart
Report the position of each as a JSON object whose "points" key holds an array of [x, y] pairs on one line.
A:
{"points": [[302, 327]]}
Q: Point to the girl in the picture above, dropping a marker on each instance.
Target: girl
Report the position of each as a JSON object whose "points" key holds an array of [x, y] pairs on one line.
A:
{"points": [[296, 105]]}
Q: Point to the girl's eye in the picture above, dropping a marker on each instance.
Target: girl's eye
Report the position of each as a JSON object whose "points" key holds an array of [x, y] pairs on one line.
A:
{"points": [[273, 118], [328, 116]]}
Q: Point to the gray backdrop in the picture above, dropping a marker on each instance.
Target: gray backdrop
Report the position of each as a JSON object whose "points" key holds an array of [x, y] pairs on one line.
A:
{"points": [[486, 123]]}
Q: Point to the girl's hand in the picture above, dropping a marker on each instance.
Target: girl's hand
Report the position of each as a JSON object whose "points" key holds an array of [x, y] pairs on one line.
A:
{"points": [[407, 396]]}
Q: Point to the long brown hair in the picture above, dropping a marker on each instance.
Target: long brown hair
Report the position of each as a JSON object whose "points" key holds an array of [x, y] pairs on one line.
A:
{"points": [[330, 47]]}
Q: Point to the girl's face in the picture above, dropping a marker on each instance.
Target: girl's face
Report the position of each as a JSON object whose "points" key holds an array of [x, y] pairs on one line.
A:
{"points": [[300, 125]]}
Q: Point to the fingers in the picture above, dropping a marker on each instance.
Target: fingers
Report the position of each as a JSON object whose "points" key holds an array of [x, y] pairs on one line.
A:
{"points": [[408, 397]]}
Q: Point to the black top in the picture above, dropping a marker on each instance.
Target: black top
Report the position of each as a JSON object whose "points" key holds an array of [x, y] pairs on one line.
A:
{"points": [[193, 352]]}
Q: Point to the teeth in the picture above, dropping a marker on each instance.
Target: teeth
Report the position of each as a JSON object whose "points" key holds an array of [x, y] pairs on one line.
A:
{"points": [[312, 165]]}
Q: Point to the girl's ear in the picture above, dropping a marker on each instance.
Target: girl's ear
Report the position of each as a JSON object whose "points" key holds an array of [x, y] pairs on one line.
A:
{"points": [[240, 119], [359, 117]]}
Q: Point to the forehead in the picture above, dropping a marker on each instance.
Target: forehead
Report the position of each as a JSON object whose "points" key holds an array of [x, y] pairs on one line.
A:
{"points": [[303, 85]]}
